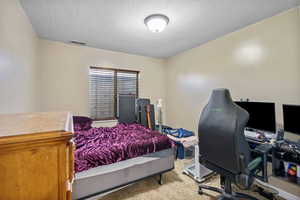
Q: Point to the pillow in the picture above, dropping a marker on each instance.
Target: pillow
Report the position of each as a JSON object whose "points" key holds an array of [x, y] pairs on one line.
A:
{"points": [[82, 123]]}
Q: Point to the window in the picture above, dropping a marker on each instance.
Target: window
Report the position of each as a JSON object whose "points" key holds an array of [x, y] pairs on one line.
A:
{"points": [[104, 87]]}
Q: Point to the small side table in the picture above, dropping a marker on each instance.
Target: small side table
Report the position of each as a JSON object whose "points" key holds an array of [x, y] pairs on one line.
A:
{"points": [[186, 142], [195, 170]]}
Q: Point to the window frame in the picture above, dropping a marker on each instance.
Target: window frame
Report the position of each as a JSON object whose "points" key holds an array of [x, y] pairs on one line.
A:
{"points": [[115, 71]]}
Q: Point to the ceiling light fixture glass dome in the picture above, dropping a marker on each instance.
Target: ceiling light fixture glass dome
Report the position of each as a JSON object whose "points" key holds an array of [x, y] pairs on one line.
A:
{"points": [[156, 22]]}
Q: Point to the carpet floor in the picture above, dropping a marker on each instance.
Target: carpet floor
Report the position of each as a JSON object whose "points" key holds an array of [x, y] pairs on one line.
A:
{"points": [[176, 186]]}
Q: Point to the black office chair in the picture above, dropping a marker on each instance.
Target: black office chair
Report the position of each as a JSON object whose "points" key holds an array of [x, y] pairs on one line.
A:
{"points": [[223, 146]]}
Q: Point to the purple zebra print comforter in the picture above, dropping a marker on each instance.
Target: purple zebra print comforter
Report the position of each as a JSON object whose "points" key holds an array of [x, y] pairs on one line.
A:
{"points": [[107, 145]]}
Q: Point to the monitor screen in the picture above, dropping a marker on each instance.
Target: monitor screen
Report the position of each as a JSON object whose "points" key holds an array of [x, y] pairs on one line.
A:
{"points": [[262, 115], [291, 118]]}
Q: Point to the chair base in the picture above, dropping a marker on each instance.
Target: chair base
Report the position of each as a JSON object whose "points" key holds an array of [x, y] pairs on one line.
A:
{"points": [[225, 195]]}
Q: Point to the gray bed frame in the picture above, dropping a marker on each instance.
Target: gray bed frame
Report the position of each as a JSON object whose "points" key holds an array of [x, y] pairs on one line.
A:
{"points": [[100, 180]]}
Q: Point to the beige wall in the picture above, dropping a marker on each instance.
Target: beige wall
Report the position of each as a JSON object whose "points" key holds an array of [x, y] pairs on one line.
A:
{"points": [[17, 59], [64, 74], [260, 62]]}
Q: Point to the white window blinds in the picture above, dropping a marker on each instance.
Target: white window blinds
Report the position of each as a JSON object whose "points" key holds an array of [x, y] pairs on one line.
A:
{"points": [[104, 87]]}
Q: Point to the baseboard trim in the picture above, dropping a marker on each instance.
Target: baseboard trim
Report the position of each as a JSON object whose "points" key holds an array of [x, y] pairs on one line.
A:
{"points": [[281, 192]]}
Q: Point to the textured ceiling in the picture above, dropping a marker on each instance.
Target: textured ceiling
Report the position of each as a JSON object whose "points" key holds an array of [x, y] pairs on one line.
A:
{"points": [[118, 24]]}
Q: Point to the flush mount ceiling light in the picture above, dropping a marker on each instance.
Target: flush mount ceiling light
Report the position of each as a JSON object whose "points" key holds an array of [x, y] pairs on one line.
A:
{"points": [[156, 23]]}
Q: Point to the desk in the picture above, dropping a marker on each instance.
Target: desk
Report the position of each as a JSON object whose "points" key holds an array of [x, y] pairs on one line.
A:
{"points": [[279, 158]]}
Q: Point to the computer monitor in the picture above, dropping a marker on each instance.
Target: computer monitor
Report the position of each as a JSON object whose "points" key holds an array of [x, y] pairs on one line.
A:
{"points": [[262, 115], [291, 118]]}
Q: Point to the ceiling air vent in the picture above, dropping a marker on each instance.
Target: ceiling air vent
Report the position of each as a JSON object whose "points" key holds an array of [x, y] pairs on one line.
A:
{"points": [[78, 43]]}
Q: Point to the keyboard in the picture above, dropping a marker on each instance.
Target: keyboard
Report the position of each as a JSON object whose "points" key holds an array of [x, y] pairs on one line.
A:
{"points": [[252, 135]]}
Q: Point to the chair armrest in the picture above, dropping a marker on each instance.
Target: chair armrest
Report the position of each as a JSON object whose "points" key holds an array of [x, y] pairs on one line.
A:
{"points": [[254, 164]]}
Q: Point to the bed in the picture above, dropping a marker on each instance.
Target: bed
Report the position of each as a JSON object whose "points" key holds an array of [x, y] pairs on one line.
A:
{"points": [[113, 157]]}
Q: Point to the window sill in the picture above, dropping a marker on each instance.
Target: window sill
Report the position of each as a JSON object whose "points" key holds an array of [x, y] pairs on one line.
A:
{"points": [[105, 121]]}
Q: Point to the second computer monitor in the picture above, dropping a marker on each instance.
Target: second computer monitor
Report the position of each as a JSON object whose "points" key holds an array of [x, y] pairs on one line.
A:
{"points": [[291, 118], [262, 115]]}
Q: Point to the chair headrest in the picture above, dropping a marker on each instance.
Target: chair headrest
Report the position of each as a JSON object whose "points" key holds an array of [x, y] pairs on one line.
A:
{"points": [[220, 97]]}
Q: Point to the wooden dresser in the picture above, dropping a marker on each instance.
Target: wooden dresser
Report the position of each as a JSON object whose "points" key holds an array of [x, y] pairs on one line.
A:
{"points": [[36, 156]]}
